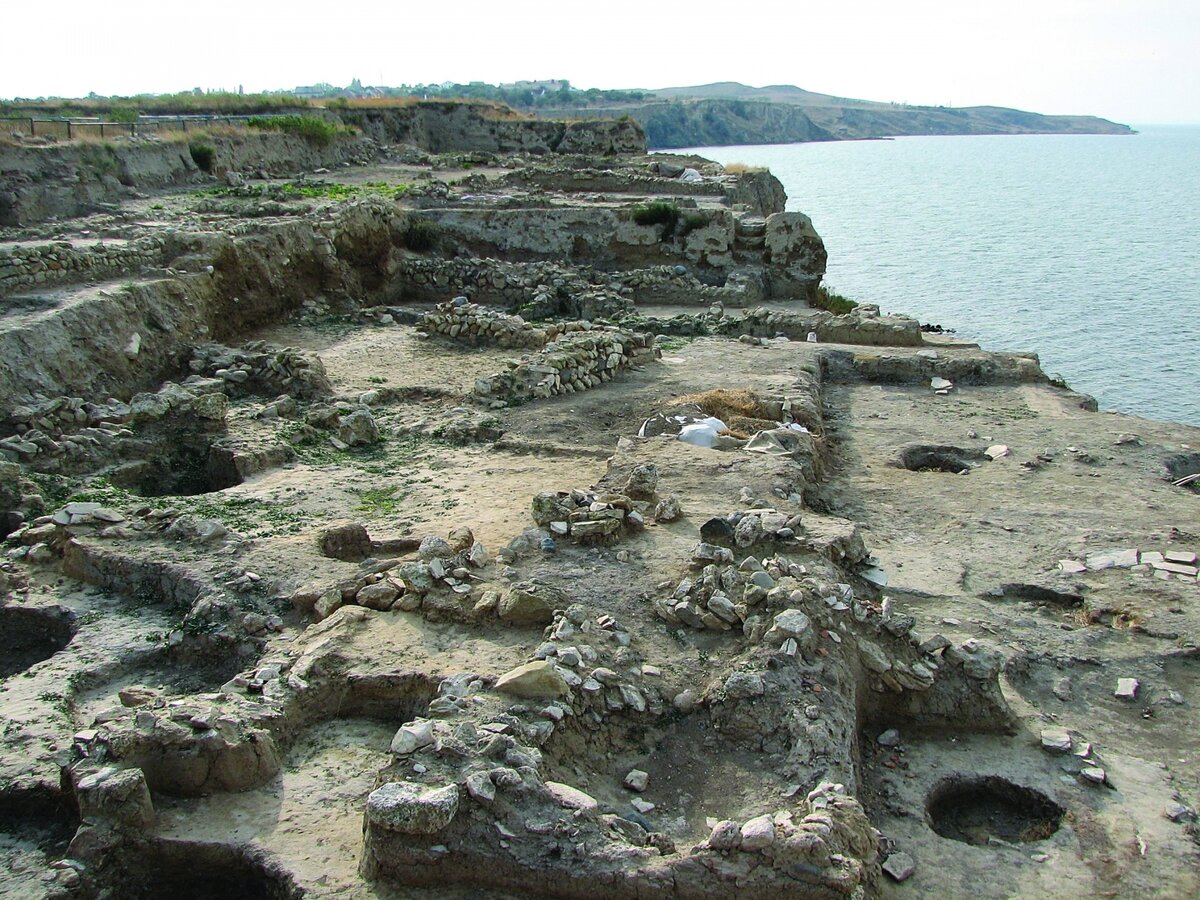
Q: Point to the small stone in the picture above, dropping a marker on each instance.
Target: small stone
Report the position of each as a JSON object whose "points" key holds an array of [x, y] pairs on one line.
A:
{"points": [[940, 384], [1094, 774], [996, 451], [1186, 557], [1056, 740], [641, 806], [637, 780], [434, 547], [900, 866], [726, 835], [481, 787], [1071, 566], [533, 680], [668, 509], [758, 833], [1127, 688], [889, 738], [412, 736], [1177, 812]]}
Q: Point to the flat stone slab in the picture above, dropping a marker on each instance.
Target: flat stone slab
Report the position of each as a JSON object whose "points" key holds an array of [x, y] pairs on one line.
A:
{"points": [[412, 808], [1056, 740], [1127, 688], [571, 798]]}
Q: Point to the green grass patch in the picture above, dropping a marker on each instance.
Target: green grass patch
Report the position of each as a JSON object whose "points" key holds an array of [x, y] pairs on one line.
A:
{"points": [[313, 129], [380, 501], [833, 302], [670, 344], [658, 212]]}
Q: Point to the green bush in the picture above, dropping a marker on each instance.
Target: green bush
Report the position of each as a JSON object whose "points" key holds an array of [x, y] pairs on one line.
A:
{"points": [[833, 302], [203, 155], [690, 222], [316, 131], [659, 212], [420, 235]]}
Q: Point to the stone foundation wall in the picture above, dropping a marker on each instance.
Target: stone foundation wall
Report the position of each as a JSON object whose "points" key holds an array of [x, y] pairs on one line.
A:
{"points": [[581, 359], [30, 265], [862, 326]]}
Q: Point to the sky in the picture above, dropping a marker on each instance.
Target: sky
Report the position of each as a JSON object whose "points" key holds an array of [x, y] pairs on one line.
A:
{"points": [[1134, 61]]}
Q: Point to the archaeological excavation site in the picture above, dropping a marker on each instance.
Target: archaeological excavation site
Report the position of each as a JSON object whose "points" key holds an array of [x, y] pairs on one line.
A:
{"points": [[479, 506]]}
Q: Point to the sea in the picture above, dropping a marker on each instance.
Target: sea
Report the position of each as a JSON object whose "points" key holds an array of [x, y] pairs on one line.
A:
{"points": [[1083, 248]]}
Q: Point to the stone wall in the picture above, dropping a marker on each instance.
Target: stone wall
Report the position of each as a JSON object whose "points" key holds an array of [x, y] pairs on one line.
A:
{"points": [[469, 323], [861, 326], [580, 359], [785, 248], [536, 284], [30, 265]]}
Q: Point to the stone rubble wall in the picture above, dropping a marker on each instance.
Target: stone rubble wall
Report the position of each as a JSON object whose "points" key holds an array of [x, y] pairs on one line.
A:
{"points": [[33, 265], [263, 369], [861, 326], [788, 254], [960, 367], [760, 192], [584, 357], [469, 323], [517, 284]]}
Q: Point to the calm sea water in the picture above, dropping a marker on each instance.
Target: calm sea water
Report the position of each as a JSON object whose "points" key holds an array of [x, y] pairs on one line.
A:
{"points": [[1083, 248]]}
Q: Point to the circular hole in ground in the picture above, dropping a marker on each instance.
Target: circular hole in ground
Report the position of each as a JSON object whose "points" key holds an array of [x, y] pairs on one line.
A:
{"points": [[939, 458], [193, 871], [28, 636], [974, 809]]}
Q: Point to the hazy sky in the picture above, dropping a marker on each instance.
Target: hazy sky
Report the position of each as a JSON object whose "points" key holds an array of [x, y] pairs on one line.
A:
{"points": [[1131, 60]]}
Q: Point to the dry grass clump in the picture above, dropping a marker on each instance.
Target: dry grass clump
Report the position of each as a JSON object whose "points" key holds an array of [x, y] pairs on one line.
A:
{"points": [[738, 168], [742, 411], [725, 404]]}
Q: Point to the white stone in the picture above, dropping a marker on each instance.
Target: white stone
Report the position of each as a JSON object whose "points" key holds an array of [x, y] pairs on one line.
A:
{"points": [[1127, 688], [996, 451], [571, 798], [637, 780], [1057, 740], [412, 736]]}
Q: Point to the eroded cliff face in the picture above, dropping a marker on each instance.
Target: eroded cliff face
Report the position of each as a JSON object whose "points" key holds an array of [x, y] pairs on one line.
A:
{"points": [[47, 181], [445, 126]]}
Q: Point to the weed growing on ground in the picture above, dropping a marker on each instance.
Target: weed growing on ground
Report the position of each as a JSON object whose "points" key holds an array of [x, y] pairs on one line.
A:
{"points": [[833, 302]]}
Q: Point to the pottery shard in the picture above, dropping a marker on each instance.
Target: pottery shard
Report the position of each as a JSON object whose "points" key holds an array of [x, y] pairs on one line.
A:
{"points": [[533, 680], [411, 808]]}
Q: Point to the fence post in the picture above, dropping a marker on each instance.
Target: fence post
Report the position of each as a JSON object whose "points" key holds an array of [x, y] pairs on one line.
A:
{"points": [[32, 129], [102, 129], [68, 129]]}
